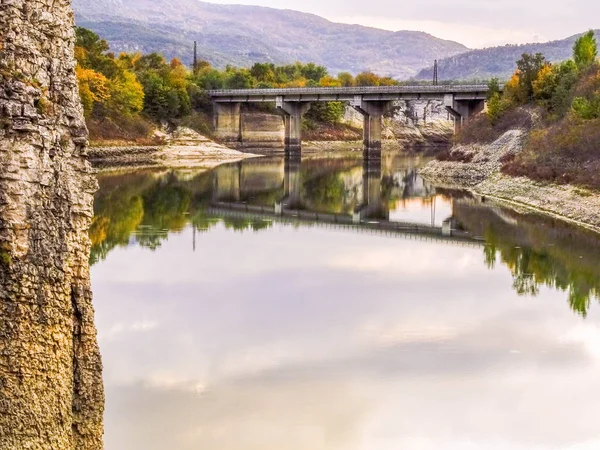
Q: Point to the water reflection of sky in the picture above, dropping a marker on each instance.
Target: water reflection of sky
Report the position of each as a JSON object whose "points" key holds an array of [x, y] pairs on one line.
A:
{"points": [[305, 338]]}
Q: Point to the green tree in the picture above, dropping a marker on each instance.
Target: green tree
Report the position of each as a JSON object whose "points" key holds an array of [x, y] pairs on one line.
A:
{"points": [[239, 79], [585, 50], [493, 88], [346, 79], [587, 109], [328, 112]]}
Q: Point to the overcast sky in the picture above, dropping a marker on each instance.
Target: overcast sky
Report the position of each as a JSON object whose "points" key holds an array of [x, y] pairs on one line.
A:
{"points": [[475, 23]]}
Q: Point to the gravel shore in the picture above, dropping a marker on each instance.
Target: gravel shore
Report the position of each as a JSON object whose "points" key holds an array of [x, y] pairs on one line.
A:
{"points": [[186, 149], [481, 175]]}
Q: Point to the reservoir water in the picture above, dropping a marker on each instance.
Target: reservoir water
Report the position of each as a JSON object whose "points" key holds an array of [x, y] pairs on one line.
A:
{"points": [[320, 304]]}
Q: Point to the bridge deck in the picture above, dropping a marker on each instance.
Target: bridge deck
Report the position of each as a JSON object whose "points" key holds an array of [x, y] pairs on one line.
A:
{"points": [[460, 92]]}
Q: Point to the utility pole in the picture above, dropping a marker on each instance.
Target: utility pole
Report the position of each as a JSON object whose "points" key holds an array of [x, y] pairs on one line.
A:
{"points": [[435, 73], [195, 66]]}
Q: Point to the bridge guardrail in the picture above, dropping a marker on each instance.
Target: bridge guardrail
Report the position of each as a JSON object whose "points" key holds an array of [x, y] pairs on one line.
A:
{"points": [[446, 89]]}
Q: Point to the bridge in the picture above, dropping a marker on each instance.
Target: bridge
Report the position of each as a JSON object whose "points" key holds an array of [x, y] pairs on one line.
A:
{"points": [[461, 101]]}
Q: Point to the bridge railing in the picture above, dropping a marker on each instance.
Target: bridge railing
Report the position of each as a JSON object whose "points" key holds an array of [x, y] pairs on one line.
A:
{"points": [[444, 89]]}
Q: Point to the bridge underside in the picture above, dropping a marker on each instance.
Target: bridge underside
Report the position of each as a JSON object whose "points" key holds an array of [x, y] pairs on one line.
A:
{"points": [[372, 103]]}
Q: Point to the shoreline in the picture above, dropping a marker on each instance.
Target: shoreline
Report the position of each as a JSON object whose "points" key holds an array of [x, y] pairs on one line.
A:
{"points": [[482, 178]]}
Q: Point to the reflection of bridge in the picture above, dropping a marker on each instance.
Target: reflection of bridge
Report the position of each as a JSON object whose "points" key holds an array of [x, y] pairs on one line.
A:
{"points": [[371, 215], [372, 102], [342, 221]]}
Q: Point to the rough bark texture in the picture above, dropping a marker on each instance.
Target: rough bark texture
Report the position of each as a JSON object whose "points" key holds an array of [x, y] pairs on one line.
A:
{"points": [[51, 394]]}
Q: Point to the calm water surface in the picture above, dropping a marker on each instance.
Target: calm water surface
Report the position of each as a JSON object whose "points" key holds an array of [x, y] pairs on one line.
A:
{"points": [[225, 326]]}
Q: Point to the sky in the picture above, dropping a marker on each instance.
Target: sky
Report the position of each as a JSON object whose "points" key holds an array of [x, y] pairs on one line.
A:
{"points": [[474, 23]]}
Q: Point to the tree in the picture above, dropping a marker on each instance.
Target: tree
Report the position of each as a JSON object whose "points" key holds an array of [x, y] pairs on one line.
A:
{"points": [[529, 67], [126, 94], [313, 72], [367, 79], [346, 79], [329, 112], [493, 88], [329, 81], [93, 88], [90, 52], [239, 79], [263, 72], [585, 50], [587, 109]]}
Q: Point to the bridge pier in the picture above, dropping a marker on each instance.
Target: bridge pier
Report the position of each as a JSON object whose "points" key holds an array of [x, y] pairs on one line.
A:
{"points": [[227, 121], [292, 117], [372, 112], [462, 110]]}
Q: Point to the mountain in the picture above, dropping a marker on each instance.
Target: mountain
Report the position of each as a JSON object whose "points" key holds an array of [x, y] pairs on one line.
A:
{"points": [[242, 35], [497, 61]]}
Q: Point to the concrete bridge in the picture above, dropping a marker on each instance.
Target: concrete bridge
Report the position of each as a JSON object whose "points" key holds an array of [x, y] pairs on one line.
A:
{"points": [[461, 101]]}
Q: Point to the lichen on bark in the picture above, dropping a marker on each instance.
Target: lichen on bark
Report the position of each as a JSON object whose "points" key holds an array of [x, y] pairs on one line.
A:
{"points": [[51, 394]]}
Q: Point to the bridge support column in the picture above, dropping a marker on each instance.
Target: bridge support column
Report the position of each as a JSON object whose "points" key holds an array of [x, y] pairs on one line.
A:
{"points": [[372, 112], [292, 117], [227, 121], [462, 110]]}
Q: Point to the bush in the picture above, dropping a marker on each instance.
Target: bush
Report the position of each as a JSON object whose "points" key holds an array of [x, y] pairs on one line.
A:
{"points": [[567, 152]]}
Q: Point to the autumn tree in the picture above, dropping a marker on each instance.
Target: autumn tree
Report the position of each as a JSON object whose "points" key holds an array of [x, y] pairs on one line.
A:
{"points": [[93, 88], [529, 67]]}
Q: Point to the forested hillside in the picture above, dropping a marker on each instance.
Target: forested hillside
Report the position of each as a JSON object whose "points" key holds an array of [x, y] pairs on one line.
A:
{"points": [[497, 61], [242, 35]]}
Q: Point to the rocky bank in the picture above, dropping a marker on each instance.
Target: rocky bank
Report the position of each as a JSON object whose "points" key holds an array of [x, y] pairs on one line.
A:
{"points": [[184, 149], [477, 168], [51, 393]]}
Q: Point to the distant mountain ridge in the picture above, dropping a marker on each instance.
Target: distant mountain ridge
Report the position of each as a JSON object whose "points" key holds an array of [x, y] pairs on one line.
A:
{"points": [[497, 61], [242, 35]]}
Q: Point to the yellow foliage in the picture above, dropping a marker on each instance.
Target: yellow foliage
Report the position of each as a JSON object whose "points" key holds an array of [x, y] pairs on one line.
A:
{"points": [[126, 93], [80, 54], [298, 83], [513, 83], [543, 85], [329, 81], [93, 88]]}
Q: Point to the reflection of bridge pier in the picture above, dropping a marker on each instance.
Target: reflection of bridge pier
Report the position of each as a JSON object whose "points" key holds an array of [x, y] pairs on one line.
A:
{"points": [[373, 206], [292, 183], [227, 183]]}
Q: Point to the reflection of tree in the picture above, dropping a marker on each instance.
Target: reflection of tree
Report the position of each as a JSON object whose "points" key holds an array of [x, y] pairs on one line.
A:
{"points": [[167, 205], [564, 268], [243, 224], [325, 192], [117, 216], [149, 208]]}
